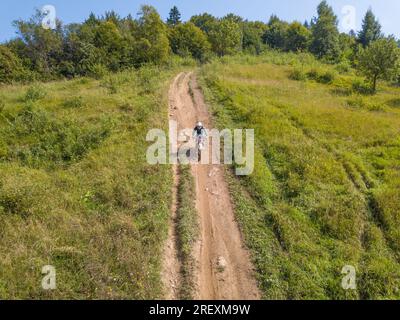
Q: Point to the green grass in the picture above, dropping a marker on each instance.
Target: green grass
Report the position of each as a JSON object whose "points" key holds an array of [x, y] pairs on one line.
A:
{"points": [[325, 191], [76, 191], [187, 227]]}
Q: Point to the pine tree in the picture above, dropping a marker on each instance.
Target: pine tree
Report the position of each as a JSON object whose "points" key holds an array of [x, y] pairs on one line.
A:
{"points": [[174, 17], [371, 29], [92, 20]]}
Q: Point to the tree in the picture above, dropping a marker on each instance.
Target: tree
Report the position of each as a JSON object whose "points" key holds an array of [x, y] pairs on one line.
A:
{"points": [[108, 38], [325, 34], [233, 17], [43, 47], [252, 36], [204, 21], [380, 60], [275, 35], [371, 29], [152, 43], [112, 16], [348, 46], [11, 68], [225, 37], [92, 20], [186, 38], [174, 17], [298, 37]]}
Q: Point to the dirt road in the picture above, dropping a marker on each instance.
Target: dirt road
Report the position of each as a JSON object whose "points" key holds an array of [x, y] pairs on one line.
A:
{"points": [[224, 270]]}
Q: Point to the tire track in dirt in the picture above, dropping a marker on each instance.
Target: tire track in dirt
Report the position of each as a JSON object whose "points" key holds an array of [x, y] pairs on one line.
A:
{"points": [[223, 267], [171, 271]]}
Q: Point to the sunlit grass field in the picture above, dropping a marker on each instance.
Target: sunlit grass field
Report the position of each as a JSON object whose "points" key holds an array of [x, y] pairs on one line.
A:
{"points": [[76, 191], [325, 192]]}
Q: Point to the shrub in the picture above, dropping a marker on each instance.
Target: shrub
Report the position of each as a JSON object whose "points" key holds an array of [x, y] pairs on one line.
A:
{"points": [[360, 86], [34, 93], [298, 75], [327, 77], [313, 74], [11, 68]]}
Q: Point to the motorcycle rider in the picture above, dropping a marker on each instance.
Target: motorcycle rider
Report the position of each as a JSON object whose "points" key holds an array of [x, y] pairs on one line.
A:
{"points": [[199, 131]]}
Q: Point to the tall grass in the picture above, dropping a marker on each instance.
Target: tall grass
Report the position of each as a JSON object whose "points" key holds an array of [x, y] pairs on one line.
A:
{"points": [[76, 191], [325, 189], [187, 227]]}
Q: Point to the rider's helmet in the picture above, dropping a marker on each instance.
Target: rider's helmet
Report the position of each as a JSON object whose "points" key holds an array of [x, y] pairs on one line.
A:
{"points": [[199, 124]]}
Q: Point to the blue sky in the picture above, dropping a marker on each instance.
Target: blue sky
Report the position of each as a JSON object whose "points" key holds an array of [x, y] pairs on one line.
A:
{"points": [[77, 10]]}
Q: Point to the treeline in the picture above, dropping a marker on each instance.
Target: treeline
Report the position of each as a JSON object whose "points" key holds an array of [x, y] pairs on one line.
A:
{"points": [[112, 43]]}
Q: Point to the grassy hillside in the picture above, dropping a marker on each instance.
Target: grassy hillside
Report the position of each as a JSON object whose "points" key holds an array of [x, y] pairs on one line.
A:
{"points": [[325, 192], [76, 191]]}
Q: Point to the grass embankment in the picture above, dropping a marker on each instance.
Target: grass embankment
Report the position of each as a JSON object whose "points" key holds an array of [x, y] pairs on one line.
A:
{"points": [[76, 191], [187, 227], [325, 191]]}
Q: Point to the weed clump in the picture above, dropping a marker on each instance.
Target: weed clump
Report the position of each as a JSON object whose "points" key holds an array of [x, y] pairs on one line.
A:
{"points": [[35, 93]]}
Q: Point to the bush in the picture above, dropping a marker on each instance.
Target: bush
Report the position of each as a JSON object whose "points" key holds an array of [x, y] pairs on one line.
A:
{"points": [[313, 74], [360, 86], [11, 68], [327, 77], [34, 93], [2, 105], [298, 75]]}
